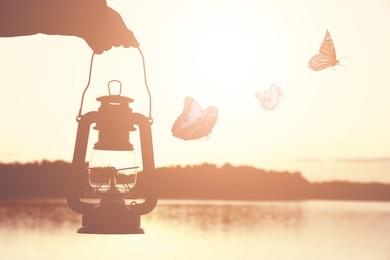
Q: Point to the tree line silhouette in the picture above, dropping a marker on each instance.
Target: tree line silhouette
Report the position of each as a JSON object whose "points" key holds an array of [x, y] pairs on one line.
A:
{"points": [[204, 181]]}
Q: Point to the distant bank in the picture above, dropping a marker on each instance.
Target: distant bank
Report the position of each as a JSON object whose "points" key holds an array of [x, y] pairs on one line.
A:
{"points": [[204, 181]]}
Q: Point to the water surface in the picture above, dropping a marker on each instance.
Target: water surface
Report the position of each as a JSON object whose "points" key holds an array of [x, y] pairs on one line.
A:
{"points": [[45, 229]]}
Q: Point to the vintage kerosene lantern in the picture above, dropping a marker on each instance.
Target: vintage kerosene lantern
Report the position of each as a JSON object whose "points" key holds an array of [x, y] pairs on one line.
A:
{"points": [[126, 189]]}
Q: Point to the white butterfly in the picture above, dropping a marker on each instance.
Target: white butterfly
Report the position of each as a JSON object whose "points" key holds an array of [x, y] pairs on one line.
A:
{"points": [[269, 99], [194, 123]]}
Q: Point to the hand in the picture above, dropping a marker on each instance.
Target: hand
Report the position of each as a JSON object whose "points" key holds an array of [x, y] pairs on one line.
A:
{"points": [[109, 30]]}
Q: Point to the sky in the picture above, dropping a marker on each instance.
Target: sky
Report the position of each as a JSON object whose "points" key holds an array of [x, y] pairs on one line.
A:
{"points": [[330, 125]]}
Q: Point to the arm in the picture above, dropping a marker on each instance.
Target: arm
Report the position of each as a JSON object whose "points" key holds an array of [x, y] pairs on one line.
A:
{"points": [[99, 25]]}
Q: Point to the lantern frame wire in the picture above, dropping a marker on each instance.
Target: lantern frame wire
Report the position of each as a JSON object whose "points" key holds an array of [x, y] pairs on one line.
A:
{"points": [[145, 82]]}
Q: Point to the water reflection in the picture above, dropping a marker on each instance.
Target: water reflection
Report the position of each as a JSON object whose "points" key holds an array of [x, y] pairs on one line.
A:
{"points": [[231, 216], [34, 214], [40, 229]]}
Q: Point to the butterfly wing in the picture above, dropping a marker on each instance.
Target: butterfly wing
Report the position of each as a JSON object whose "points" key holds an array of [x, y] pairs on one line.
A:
{"points": [[202, 127], [327, 56], [261, 95], [327, 47], [319, 62], [275, 95], [194, 123], [191, 112], [269, 100]]}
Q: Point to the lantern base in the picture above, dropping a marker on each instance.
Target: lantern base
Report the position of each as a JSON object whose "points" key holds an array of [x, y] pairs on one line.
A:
{"points": [[111, 219], [99, 231]]}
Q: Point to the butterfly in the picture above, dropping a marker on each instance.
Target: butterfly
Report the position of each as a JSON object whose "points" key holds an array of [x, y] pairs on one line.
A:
{"points": [[194, 122], [327, 56], [269, 99]]}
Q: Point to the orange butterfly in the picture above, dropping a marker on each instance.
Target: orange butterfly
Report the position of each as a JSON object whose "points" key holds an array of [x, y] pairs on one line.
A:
{"points": [[194, 123], [327, 56]]}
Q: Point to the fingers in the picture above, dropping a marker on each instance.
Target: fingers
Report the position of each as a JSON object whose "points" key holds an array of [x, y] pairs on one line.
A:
{"points": [[121, 35], [111, 32]]}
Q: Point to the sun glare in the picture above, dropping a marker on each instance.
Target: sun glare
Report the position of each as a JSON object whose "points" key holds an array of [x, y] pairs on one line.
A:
{"points": [[226, 57]]}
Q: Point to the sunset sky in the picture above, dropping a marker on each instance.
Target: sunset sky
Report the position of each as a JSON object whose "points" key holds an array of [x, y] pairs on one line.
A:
{"points": [[331, 124]]}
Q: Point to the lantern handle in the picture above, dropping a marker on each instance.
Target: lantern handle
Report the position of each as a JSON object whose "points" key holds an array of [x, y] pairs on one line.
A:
{"points": [[109, 87], [78, 118], [146, 85]]}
